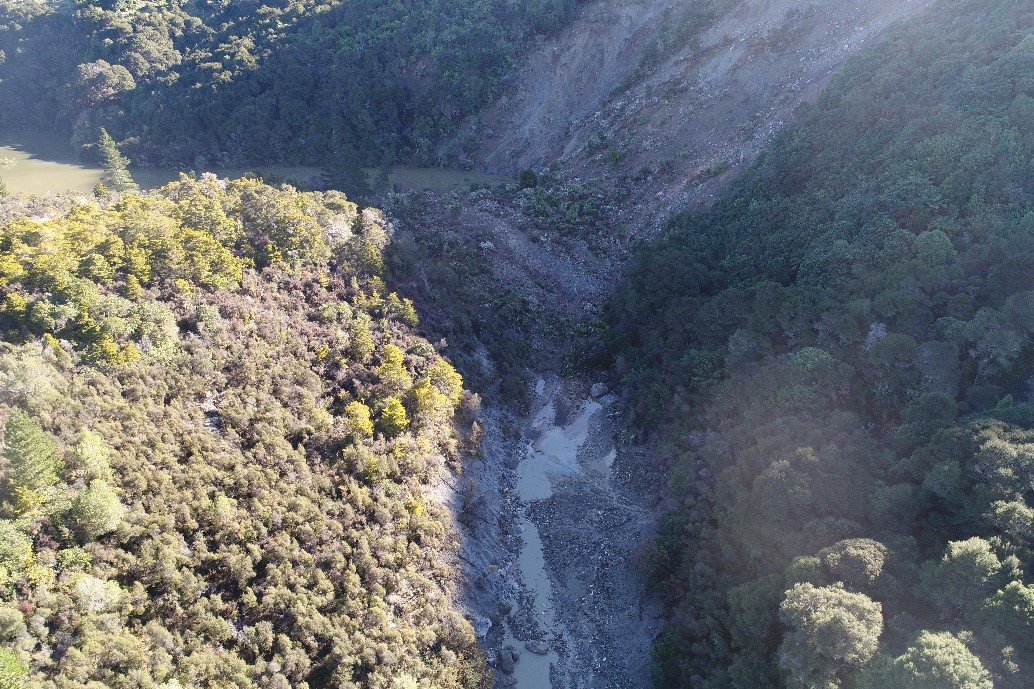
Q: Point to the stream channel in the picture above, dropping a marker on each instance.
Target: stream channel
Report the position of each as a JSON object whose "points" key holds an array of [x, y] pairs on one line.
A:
{"points": [[581, 514]]}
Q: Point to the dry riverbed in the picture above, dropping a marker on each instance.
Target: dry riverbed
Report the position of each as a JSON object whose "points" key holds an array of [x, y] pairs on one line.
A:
{"points": [[554, 515]]}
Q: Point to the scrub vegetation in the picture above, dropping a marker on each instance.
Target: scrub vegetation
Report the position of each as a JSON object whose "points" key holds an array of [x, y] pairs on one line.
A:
{"points": [[219, 429], [846, 340]]}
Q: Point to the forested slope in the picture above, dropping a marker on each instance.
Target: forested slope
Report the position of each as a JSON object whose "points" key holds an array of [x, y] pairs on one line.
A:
{"points": [[318, 82], [218, 430], [838, 357]]}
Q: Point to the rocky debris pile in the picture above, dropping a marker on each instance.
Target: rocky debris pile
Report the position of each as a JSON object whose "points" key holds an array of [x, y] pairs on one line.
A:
{"points": [[506, 659]]}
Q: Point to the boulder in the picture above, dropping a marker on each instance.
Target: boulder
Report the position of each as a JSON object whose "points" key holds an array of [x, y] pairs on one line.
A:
{"points": [[598, 390], [506, 662], [481, 626], [537, 647]]}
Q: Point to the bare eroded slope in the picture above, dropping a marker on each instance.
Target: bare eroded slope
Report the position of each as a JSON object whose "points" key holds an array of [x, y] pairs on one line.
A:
{"points": [[599, 100]]}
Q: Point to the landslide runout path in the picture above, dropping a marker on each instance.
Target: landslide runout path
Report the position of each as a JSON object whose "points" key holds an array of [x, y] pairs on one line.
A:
{"points": [[555, 509]]}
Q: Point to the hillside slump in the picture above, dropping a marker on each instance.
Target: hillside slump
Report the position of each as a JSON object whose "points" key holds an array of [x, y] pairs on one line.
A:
{"points": [[672, 93], [514, 279]]}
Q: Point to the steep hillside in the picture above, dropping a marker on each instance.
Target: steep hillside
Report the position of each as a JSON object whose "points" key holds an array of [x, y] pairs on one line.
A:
{"points": [[750, 327], [838, 358], [673, 93], [317, 82]]}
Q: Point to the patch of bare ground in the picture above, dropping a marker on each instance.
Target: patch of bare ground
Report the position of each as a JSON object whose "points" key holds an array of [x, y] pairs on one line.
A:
{"points": [[599, 101]]}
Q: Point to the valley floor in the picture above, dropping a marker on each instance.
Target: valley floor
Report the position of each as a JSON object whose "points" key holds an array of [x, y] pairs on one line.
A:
{"points": [[556, 513]]}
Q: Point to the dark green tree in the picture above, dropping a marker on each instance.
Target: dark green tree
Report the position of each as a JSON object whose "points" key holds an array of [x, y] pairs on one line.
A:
{"points": [[15, 547], [1011, 612], [936, 660], [393, 418], [829, 631], [97, 509], [31, 452], [857, 562], [116, 165], [527, 179], [968, 572], [13, 672]]}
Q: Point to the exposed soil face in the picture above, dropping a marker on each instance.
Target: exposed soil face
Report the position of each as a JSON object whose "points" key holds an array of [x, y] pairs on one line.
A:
{"points": [[597, 101]]}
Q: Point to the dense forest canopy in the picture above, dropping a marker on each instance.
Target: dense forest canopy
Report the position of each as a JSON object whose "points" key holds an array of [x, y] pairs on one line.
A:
{"points": [[219, 425], [336, 83], [218, 429], [847, 341]]}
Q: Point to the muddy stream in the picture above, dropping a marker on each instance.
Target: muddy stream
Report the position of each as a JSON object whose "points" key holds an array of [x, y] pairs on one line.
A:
{"points": [[578, 619]]}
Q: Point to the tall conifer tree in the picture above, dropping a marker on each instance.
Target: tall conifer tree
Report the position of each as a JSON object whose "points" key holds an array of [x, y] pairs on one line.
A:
{"points": [[116, 165]]}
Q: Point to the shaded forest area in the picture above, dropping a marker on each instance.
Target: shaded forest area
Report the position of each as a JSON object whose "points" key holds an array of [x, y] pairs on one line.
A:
{"points": [[837, 358], [333, 83], [219, 427]]}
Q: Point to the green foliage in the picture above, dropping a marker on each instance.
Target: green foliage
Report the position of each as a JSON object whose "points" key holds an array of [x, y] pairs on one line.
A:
{"points": [[116, 165], [13, 672], [361, 339], [228, 514], [830, 631], [393, 417], [937, 660], [849, 330], [447, 379], [97, 509], [280, 224], [12, 624], [392, 371], [31, 453], [338, 84], [1011, 611], [402, 310], [405, 681], [527, 179], [92, 456], [357, 421], [15, 547], [968, 572], [858, 562]]}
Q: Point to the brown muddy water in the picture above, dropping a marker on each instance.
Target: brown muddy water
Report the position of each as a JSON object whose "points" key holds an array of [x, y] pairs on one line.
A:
{"points": [[437, 179], [34, 162]]}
